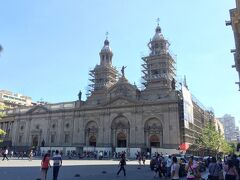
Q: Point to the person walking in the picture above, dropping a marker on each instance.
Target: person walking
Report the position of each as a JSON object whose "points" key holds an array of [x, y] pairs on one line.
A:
{"points": [[139, 160], [11, 154], [143, 159], [231, 172], [175, 169], [45, 164], [168, 166], [214, 169], [122, 163], [30, 155], [159, 167], [57, 163], [192, 170], [5, 153]]}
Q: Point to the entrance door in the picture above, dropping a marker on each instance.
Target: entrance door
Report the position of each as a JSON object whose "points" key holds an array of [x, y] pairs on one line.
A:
{"points": [[154, 141], [92, 141], [35, 141], [121, 140]]}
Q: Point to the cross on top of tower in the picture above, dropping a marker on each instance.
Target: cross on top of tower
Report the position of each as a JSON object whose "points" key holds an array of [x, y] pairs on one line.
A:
{"points": [[106, 35], [106, 42], [158, 20], [158, 29]]}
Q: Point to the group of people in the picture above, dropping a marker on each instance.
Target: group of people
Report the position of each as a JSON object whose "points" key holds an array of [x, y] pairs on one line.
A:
{"points": [[218, 170], [169, 167], [141, 157], [228, 170], [166, 168], [46, 164], [21, 154]]}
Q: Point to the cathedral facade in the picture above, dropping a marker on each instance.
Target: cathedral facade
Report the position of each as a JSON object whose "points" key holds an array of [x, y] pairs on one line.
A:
{"points": [[116, 114]]}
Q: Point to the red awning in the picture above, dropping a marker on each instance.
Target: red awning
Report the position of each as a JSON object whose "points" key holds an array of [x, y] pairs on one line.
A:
{"points": [[184, 146]]}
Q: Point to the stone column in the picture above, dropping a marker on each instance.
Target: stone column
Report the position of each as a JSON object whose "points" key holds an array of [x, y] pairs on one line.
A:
{"points": [[28, 132], [15, 132], [113, 134]]}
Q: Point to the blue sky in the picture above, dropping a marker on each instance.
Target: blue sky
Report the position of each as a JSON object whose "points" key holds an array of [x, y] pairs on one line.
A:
{"points": [[50, 45]]}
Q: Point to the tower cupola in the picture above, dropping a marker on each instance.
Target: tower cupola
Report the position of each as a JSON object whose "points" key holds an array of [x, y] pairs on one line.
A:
{"points": [[158, 44], [159, 66], [106, 54]]}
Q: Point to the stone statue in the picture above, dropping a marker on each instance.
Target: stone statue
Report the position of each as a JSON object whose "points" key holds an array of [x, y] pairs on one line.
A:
{"points": [[43, 143], [122, 70], [80, 95], [173, 84], [138, 94]]}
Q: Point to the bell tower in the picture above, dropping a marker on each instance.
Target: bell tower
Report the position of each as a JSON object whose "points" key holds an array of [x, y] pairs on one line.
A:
{"points": [[104, 75], [159, 65]]}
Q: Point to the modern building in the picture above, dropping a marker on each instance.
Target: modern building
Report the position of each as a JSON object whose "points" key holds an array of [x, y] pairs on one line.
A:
{"points": [[237, 134], [116, 115], [219, 126], [235, 23], [228, 122], [12, 100]]}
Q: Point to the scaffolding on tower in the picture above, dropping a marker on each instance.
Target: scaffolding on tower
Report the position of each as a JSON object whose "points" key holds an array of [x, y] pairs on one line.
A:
{"points": [[101, 77], [158, 67]]}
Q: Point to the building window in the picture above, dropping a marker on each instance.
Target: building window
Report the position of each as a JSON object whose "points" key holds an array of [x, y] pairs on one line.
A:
{"points": [[66, 138], [53, 126]]}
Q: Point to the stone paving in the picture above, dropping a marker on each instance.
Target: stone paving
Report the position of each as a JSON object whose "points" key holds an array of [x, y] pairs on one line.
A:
{"points": [[75, 169]]}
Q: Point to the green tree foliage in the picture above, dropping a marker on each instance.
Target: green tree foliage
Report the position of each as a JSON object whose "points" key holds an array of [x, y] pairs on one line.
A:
{"points": [[212, 140], [2, 107], [1, 115]]}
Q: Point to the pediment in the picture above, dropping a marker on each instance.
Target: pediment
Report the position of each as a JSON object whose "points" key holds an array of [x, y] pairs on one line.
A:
{"points": [[123, 89], [120, 101], [37, 110]]}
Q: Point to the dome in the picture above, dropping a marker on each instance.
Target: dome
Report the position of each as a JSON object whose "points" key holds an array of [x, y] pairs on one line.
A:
{"points": [[158, 35], [106, 47]]}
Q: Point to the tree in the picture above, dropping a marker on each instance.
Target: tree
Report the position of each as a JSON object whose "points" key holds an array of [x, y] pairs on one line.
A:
{"points": [[2, 107], [211, 140], [2, 132]]}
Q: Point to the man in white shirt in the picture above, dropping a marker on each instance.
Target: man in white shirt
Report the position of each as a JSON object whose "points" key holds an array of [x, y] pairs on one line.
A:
{"points": [[57, 163], [5, 153], [175, 169]]}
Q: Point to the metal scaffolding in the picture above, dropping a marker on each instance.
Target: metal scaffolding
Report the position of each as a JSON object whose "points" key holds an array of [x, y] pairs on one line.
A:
{"points": [[102, 77], [158, 68]]}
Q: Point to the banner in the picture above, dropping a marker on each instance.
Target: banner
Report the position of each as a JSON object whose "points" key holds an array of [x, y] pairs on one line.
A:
{"points": [[187, 106]]}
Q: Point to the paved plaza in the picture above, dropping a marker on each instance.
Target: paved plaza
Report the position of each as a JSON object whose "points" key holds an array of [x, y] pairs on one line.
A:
{"points": [[15, 169]]}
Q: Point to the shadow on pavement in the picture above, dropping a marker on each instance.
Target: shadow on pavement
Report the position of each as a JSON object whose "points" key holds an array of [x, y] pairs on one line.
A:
{"points": [[89, 172]]}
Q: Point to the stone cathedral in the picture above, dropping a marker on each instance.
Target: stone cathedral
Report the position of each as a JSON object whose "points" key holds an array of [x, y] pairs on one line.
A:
{"points": [[115, 115]]}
